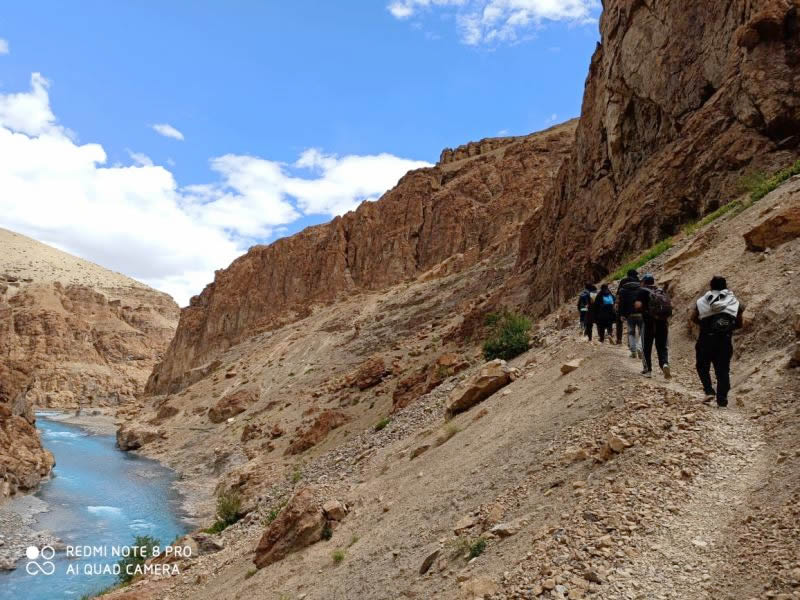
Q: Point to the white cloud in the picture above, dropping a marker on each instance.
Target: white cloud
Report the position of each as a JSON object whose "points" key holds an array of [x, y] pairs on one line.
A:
{"points": [[4, 46], [137, 220], [167, 131], [498, 21]]}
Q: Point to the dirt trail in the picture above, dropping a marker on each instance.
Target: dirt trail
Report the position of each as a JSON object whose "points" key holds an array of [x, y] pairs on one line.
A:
{"points": [[681, 560]]}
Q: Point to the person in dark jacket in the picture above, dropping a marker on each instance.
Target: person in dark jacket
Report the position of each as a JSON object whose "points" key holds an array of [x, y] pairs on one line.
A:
{"points": [[584, 308], [719, 313], [655, 330], [626, 297], [603, 313]]}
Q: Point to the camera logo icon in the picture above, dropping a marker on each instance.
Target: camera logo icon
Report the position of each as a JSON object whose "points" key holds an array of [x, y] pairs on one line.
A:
{"points": [[40, 561]]}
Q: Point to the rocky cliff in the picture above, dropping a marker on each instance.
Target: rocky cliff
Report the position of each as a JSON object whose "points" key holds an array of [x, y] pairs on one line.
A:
{"points": [[437, 221], [682, 99], [73, 333]]}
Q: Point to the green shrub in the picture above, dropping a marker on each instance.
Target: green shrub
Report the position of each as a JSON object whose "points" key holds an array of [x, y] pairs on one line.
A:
{"points": [[509, 335], [229, 504], [642, 260], [692, 228], [382, 423], [353, 540], [477, 548], [327, 532], [141, 550], [250, 573], [297, 475], [337, 556]]}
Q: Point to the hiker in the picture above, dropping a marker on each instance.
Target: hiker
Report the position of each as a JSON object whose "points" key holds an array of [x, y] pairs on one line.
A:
{"points": [[656, 308], [603, 313], [719, 314], [626, 297], [584, 305]]}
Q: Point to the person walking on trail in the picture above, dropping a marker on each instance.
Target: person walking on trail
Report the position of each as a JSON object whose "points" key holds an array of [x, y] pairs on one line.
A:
{"points": [[719, 313], [626, 297], [656, 308], [584, 307], [603, 313]]}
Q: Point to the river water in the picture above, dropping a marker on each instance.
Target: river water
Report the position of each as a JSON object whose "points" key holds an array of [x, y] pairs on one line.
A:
{"points": [[98, 497]]}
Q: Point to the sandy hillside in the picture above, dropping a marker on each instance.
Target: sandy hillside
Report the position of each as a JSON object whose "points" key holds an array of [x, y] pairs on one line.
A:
{"points": [[595, 484]]}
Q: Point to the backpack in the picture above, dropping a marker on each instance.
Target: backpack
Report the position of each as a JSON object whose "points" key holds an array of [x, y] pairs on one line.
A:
{"points": [[608, 300], [722, 324], [660, 305], [584, 300], [627, 296]]}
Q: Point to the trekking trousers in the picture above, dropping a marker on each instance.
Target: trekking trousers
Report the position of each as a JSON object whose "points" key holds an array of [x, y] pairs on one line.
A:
{"points": [[618, 325], [603, 328], [717, 350], [657, 331], [634, 333]]}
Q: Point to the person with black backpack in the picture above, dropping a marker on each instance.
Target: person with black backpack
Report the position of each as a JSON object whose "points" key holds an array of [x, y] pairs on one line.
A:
{"points": [[584, 307], [719, 313], [656, 308], [604, 313], [626, 297]]}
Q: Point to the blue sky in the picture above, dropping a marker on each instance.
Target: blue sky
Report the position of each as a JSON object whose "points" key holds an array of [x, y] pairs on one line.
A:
{"points": [[290, 112]]}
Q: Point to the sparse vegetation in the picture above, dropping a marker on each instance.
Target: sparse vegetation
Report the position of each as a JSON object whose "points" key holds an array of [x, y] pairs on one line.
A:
{"points": [[337, 556], [141, 550], [763, 186], [250, 573], [509, 335], [449, 431], [297, 475], [642, 260], [229, 504], [353, 540], [723, 210], [477, 547], [327, 532], [274, 512], [382, 423]]}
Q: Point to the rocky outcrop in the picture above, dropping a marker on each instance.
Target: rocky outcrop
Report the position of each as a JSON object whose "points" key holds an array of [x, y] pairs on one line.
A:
{"points": [[72, 333], [492, 377], [130, 437], [682, 98], [231, 405], [777, 228], [317, 431], [23, 461], [298, 525], [472, 209]]}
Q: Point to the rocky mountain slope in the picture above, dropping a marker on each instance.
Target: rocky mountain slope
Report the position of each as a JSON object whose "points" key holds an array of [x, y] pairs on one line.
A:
{"points": [[439, 221], [577, 479], [682, 99], [71, 334]]}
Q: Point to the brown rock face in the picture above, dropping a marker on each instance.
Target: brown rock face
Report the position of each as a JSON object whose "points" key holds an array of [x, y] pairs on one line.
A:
{"points": [[776, 229], [654, 149], [298, 525], [450, 216], [72, 332], [133, 437], [23, 462]]}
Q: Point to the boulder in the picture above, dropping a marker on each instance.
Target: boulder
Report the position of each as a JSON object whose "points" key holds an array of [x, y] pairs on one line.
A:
{"points": [[429, 560], [573, 365], [369, 374], [777, 229], [318, 431], [232, 404], [504, 530], [492, 377], [206, 543], [298, 525], [131, 437], [334, 510]]}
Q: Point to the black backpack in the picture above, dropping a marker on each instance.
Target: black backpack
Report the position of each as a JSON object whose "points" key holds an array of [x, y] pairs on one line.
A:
{"points": [[660, 305], [627, 296], [722, 324]]}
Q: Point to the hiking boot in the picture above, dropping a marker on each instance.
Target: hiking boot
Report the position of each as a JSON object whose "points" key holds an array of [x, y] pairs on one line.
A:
{"points": [[710, 397], [633, 354], [639, 354], [666, 371], [722, 404], [647, 373]]}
